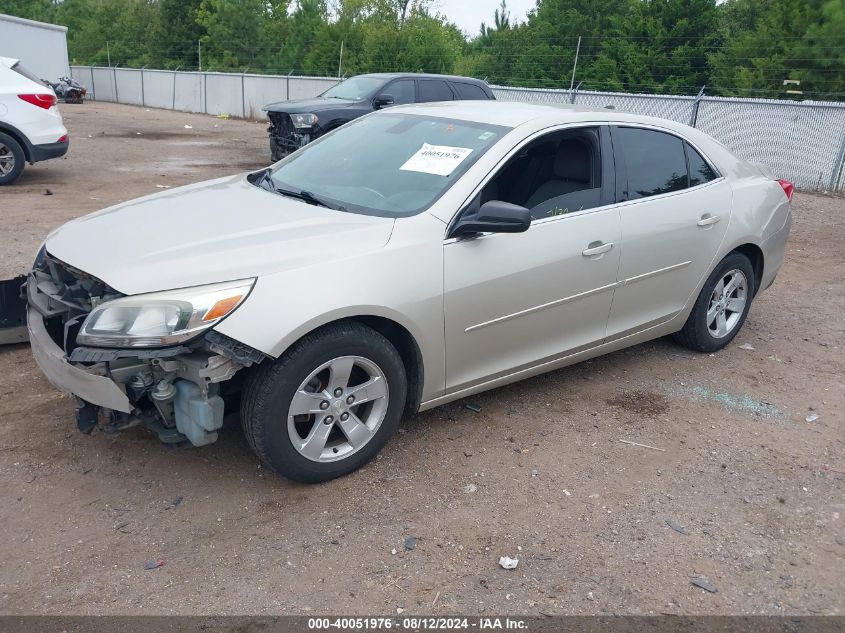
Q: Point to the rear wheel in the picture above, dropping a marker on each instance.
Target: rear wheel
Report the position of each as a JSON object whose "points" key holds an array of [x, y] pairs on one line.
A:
{"points": [[721, 308], [327, 406], [12, 159]]}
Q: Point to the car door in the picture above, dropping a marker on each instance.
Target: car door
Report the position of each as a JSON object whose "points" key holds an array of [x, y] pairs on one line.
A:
{"points": [[675, 213], [513, 301]]}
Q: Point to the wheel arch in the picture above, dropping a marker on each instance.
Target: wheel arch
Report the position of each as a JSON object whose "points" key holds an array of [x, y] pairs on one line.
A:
{"points": [[335, 123], [16, 134], [755, 255], [399, 336]]}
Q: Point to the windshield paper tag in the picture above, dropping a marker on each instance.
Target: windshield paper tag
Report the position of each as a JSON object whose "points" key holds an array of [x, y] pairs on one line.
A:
{"points": [[440, 160]]}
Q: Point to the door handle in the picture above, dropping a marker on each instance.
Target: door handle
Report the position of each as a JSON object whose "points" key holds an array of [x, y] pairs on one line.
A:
{"points": [[596, 248], [708, 220]]}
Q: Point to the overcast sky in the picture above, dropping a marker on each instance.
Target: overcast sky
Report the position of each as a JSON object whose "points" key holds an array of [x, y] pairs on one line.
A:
{"points": [[469, 14]]}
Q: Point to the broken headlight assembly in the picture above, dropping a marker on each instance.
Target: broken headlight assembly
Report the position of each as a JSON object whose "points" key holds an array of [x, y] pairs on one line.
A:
{"points": [[159, 319], [301, 121]]}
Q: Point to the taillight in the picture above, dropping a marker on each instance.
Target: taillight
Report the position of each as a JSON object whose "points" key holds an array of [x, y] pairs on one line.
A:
{"points": [[41, 100], [788, 188], [63, 139]]}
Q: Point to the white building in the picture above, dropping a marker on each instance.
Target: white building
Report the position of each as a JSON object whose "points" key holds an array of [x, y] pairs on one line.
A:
{"points": [[41, 47]]}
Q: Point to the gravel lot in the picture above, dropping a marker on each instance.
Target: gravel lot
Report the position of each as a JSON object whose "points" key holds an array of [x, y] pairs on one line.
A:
{"points": [[747, 494]]}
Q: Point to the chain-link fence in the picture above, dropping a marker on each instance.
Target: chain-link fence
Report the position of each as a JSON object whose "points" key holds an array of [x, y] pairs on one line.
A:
{"points": [[801, 141]]}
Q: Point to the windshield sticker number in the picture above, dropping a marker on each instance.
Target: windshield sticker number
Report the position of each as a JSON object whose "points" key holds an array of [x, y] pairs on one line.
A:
{"points": [[440, 160]]}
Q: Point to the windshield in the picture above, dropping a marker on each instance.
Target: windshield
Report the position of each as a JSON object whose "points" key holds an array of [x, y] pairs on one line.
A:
{"points": [[355, 88], [387, 164]]}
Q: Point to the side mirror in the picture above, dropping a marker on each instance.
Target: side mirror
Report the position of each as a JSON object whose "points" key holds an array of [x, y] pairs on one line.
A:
{"points": [[494, 216], [383, 100]]}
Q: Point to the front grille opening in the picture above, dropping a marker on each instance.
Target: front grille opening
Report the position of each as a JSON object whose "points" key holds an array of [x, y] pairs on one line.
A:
{"points": [[281, 125]]}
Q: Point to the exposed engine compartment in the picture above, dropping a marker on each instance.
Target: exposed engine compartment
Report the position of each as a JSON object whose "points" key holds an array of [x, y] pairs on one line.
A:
{"points": [[179, 392], [284, 138]]}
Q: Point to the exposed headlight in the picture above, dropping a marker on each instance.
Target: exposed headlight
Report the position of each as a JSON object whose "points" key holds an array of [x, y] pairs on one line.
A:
{"points": [[161, 318], [304, 120]]}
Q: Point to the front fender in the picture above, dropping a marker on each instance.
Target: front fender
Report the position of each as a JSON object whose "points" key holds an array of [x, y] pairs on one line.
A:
{"points": [[401, 281]]}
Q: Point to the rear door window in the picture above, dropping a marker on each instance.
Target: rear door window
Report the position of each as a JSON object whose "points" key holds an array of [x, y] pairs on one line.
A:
{"points": [[469, 92], [655, 161], [700, 170], [435, 90]]}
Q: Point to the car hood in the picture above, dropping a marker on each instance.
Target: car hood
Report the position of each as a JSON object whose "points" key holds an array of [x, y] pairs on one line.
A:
{"points": [[299, 106], [209, 232]]}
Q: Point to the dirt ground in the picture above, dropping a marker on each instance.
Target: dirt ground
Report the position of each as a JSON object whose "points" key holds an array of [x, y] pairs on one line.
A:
{"points": [[746, 493]]}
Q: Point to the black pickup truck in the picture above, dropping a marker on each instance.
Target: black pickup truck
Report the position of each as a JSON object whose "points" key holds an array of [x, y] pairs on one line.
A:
{"points": [[295, 123]]}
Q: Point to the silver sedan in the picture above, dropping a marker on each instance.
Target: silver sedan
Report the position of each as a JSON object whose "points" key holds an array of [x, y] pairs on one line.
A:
{"points": [[413, 257]]}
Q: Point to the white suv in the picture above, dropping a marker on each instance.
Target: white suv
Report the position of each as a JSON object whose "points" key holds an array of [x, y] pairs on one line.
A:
{"points": [[31, 128]]}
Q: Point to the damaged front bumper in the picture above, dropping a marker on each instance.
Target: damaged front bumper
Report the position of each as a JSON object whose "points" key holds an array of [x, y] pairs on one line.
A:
{"points": [[90, 387], [179, 392], [281, 146]]}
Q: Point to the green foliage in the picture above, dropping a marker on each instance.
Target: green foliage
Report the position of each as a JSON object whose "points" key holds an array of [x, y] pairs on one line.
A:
{"points": [[769, 41], [735, 47], [175, 34], [41, 10]]}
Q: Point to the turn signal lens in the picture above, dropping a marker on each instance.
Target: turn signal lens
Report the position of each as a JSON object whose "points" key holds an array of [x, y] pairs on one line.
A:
{"points": [[222, 308]]}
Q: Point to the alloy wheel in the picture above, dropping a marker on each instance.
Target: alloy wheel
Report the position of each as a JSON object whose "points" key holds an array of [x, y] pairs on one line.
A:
{"points": [[7, 160], [727, 303], [337, 410]]}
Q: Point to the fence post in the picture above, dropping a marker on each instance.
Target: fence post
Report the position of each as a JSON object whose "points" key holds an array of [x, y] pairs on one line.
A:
{"points": [[574, 93], [173, 107], [838, 168], [243, 94], [205, 93], [114, 74], [694, 115], [93, 90], [287, 88], [143, 97]]}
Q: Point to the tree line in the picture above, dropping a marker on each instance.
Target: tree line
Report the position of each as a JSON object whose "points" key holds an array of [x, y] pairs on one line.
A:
{"points": [[756, 48]]}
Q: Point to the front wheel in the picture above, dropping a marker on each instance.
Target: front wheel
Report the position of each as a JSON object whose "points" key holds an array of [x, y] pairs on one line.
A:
{"points": [[721, 308], [327, 406]]}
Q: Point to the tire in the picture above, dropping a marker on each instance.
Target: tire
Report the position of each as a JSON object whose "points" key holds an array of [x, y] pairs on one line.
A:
{"points": [[12, 159], [281, 440], [705, 334]]}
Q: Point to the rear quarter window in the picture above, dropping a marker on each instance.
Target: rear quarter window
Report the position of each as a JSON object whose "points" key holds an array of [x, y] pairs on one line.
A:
{"points": [[25, 72], [470, 92], [700, 170]]}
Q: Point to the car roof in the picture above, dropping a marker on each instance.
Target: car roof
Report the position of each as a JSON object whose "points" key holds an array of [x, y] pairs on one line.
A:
{"points": [[423, 76], [514, 113]]}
